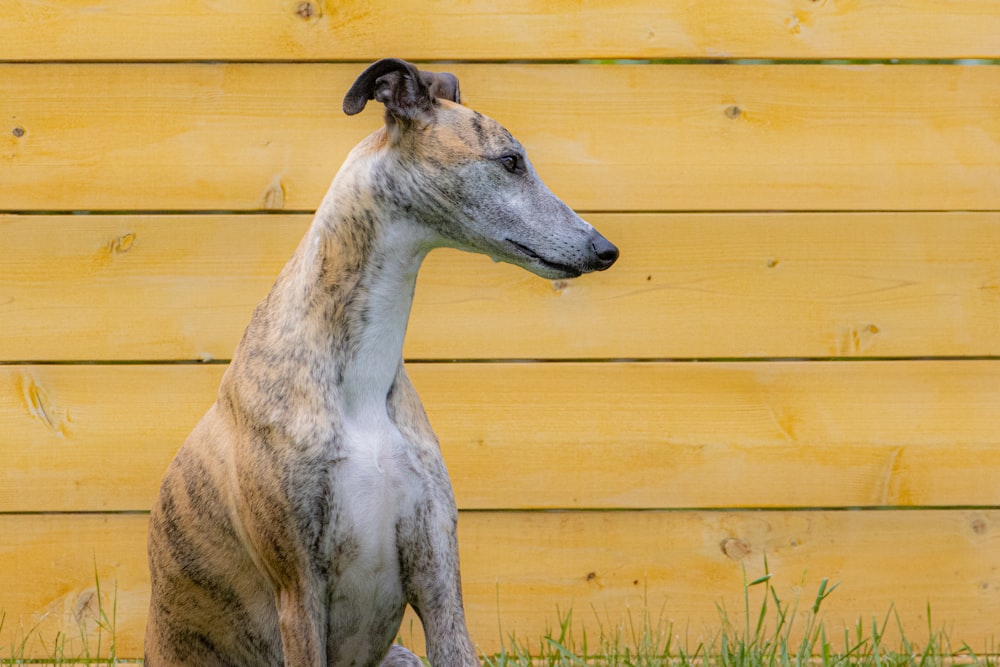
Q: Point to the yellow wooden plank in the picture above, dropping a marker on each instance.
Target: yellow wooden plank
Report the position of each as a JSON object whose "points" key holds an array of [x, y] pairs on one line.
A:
{"points": [[793, 434], [706, 285], [524, 29], [51, 566], [136, 287], [519, 568], [95, 438], [657, 137]]}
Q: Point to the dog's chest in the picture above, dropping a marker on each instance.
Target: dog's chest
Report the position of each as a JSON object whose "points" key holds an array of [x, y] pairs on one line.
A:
{"points": [[357, 493], [378, 484]]}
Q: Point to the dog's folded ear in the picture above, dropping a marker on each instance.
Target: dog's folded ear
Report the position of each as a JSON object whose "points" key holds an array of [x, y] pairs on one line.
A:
{"points": [[443, 85], [406, 92]]}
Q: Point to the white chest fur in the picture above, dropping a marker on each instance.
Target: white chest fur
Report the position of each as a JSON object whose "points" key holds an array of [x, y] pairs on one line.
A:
{"points": [[378, 478], [379, 486]]}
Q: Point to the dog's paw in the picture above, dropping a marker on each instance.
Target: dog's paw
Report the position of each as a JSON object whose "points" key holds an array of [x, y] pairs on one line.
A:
{"points": [[400, 657]]}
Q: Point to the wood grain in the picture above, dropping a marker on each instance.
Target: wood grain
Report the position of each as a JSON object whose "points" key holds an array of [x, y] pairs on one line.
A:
{"points": [[707, 285], [480, 30], [517, 436], [611, 138], [520, 569]]}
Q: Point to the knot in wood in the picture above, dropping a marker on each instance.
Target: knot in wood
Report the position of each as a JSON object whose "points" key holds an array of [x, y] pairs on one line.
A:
{"points": [[734, 548], [305, 10]]}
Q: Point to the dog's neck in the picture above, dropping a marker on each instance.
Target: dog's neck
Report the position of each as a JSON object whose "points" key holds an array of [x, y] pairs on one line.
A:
{"points": [[330, 333], [369, 254]]}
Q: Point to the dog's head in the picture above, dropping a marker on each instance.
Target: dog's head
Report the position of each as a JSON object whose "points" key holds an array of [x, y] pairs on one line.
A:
{"points": [[470, 179]]}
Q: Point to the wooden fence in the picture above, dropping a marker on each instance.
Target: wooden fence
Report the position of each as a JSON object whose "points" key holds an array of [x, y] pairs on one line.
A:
{"points": [[797, 355]]}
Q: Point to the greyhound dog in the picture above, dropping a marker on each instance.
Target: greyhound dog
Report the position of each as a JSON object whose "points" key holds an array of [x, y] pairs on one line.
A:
{"points": [[311, 503]]}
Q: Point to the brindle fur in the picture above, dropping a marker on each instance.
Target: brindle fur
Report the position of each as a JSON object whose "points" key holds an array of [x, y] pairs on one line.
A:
{"points": [[311, 504]]}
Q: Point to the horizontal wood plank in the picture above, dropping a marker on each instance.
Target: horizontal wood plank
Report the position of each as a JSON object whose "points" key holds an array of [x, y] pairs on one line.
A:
{"points": [[520, 569], [525, 29], [655, 137], [517, 436], [706, 285]]}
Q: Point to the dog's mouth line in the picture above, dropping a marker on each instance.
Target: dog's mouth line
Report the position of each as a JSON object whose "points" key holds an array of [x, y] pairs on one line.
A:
{"points": [[531, 254]]}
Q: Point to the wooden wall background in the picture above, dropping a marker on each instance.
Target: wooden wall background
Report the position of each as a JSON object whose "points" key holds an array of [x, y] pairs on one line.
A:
{"points": [[797, 355]]}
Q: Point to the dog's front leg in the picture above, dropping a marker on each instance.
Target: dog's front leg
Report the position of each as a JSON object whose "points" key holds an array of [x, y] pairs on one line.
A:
{"points": [[303, 627], [434, 588]]}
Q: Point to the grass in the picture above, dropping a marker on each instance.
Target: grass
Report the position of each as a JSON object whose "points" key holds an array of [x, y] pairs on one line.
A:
{"points": [[775, 633]]}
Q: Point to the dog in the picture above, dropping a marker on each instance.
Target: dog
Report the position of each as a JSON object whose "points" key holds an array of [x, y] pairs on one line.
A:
{"points": [[311, 503]]}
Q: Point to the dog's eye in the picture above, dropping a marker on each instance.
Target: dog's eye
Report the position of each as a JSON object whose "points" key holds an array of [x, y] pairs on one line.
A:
{"points": [[512, 162]]}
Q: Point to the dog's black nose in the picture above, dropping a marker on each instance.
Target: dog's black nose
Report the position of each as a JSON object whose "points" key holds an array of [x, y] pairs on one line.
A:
{"points": [[605, 250]]}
